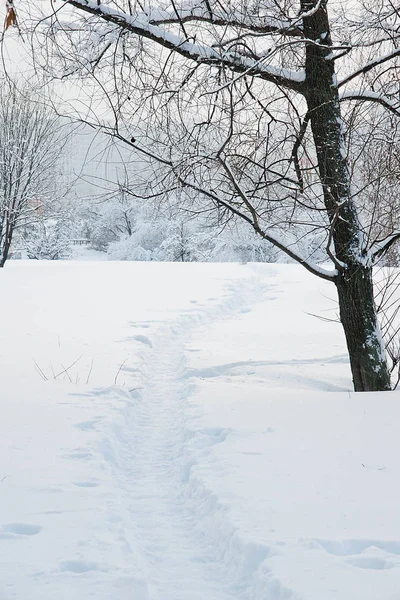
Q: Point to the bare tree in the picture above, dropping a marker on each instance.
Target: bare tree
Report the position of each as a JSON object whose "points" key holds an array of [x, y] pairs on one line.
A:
{"points": [[242, 102], [31, 140]]}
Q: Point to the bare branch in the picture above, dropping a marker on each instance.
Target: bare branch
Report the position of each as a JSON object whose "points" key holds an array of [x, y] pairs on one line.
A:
{"points": [[295, 151], [371, 65]]}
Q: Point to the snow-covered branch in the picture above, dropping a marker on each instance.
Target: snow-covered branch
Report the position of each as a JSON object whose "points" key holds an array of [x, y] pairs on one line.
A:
{"points": [[140, 25], [370, 96], [382, 246], [261, 25]]}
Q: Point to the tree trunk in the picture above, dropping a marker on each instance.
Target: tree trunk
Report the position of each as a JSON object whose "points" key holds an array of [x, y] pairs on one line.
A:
{"points": [[354, 282], [5, 244], [4, 255], [359, 320]]}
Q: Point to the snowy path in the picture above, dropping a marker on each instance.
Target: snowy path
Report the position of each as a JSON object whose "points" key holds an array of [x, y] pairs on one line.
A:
{"points": [[204, 443], [187, 544]]}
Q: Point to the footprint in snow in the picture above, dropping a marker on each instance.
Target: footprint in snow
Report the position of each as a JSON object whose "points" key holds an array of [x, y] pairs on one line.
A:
{"points": [[88, 484], [357, 546], [141, 325], [78, 566], [369, 562], [209, 436], [87, 425], [143, 339], [12, 530], [77, 455]]}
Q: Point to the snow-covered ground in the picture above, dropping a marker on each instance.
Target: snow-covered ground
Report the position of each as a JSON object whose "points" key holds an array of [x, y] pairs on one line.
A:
{"points": [[188, 432]]}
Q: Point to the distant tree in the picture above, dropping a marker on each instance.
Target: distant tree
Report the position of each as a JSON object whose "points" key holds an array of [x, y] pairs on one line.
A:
{"points": [[48, 239], [31, 143]]}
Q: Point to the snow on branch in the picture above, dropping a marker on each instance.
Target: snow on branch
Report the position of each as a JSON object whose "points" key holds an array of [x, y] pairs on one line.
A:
{"points": [[263, 25], [370, 96], [200, 53], [370, 65], [382, 246]]}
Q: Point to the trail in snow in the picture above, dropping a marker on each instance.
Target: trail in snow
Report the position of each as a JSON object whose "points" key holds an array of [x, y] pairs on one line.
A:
{"points": [[225, 463], [188, 546]]}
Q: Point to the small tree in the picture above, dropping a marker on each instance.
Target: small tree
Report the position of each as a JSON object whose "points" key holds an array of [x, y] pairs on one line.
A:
{"points": [[31, 141], [48, 239]]}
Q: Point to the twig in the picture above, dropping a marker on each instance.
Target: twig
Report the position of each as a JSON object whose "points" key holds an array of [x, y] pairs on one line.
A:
{"points": [[39, 370], [66, 369], [326, 319], [90, 372], [119, 370], [66, 372]]}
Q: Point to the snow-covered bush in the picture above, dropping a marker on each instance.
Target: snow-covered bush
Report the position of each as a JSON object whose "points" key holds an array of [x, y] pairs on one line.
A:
{"points": [[48, 240]]}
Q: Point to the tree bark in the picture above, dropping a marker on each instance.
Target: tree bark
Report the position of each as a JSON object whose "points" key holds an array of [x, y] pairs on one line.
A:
{"points": [[359, 320], [354, 281]]}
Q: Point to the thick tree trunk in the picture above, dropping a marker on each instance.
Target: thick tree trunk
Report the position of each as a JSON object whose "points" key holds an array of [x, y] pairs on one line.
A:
{"points": [[354, 282], [359, 320]]}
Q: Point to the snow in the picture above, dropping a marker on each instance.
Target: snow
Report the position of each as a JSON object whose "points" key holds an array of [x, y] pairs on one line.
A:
{"points": [[205, 445], [86, 253]]}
